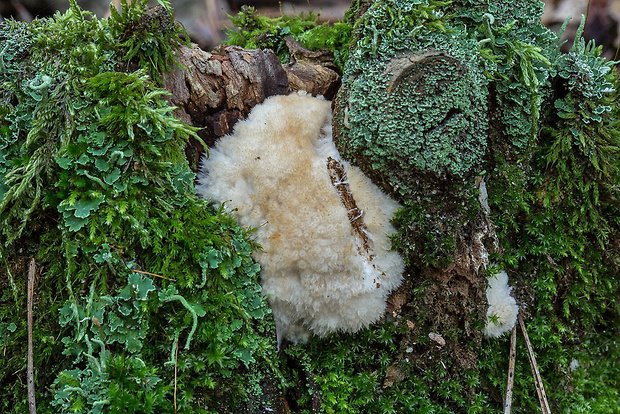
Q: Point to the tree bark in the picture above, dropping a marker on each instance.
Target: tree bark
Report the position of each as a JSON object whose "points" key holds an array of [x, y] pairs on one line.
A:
{"points": [[214, 90]]}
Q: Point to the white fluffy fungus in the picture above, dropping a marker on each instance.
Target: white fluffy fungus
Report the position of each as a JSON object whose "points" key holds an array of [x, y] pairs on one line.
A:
{"points": [[503, 309], [272, 174]]}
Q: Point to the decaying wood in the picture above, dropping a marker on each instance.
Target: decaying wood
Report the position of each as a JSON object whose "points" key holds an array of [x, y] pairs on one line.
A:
{"points": [[212, 90], [311, 71], [415, 65], [511, 371], [32, 404], [322, 57], [317, 79], [465, 284], [540, 388], [399, 298]]}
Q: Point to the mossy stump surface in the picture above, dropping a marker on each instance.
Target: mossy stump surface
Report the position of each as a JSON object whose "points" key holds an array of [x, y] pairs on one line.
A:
{"points": [[424, 116]]}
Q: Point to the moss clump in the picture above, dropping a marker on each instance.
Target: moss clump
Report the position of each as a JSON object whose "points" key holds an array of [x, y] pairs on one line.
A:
{"points": [[144, 291], [147, 40], [253, 31], [427, 226], [380, 371]]}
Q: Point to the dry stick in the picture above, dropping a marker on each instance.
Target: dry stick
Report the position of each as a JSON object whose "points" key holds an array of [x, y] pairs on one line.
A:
{"points": [[540, 389], [152, 274], [118, 249], [338, 177], [176, 365], [511, 370], [32, 404]]}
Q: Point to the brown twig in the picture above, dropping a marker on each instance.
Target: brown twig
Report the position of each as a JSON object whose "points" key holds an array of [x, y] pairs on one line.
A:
{"points": [[540, 389], [32, 404], [338, 177], [511, 370], [152, 274], [118, 249]]}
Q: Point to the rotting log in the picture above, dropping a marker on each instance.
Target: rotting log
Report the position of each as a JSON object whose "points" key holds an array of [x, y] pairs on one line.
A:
{"points": [[212, 90]]}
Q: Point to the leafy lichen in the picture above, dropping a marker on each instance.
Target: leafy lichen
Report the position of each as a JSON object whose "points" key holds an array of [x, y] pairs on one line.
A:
{"points": [[413, 111], [415, 96]]}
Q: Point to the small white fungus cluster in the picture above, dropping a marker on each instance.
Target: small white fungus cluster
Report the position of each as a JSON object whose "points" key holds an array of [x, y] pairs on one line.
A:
{"points": [[272, 175], [503, 308]]}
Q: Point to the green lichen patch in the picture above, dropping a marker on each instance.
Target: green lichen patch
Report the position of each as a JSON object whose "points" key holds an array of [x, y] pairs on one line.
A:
{"points": [[415, 97], [550, 160], [412, 114]]}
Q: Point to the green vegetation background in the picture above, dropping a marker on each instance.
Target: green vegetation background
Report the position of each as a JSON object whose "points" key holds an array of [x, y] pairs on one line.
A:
{"points": [[146, 292]]}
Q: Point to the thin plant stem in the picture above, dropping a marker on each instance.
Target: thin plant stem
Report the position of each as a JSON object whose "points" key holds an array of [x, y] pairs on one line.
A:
{"points": [[176, 365], [32, 404], [540, 389], [511, 371]]}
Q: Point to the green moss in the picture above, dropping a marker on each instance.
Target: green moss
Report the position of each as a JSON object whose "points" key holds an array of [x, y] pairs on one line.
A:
{"points": [[557, 221], [139, 278], [148, 40], [380, 371], [253, 31], [427, 227]]}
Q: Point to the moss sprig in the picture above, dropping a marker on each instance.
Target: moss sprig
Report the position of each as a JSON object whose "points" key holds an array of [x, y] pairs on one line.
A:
{"points": [[253, 31]]}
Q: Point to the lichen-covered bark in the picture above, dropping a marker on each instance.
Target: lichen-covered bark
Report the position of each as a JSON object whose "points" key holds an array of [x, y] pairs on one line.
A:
{"points": [[412, 114], [423, 110]]}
